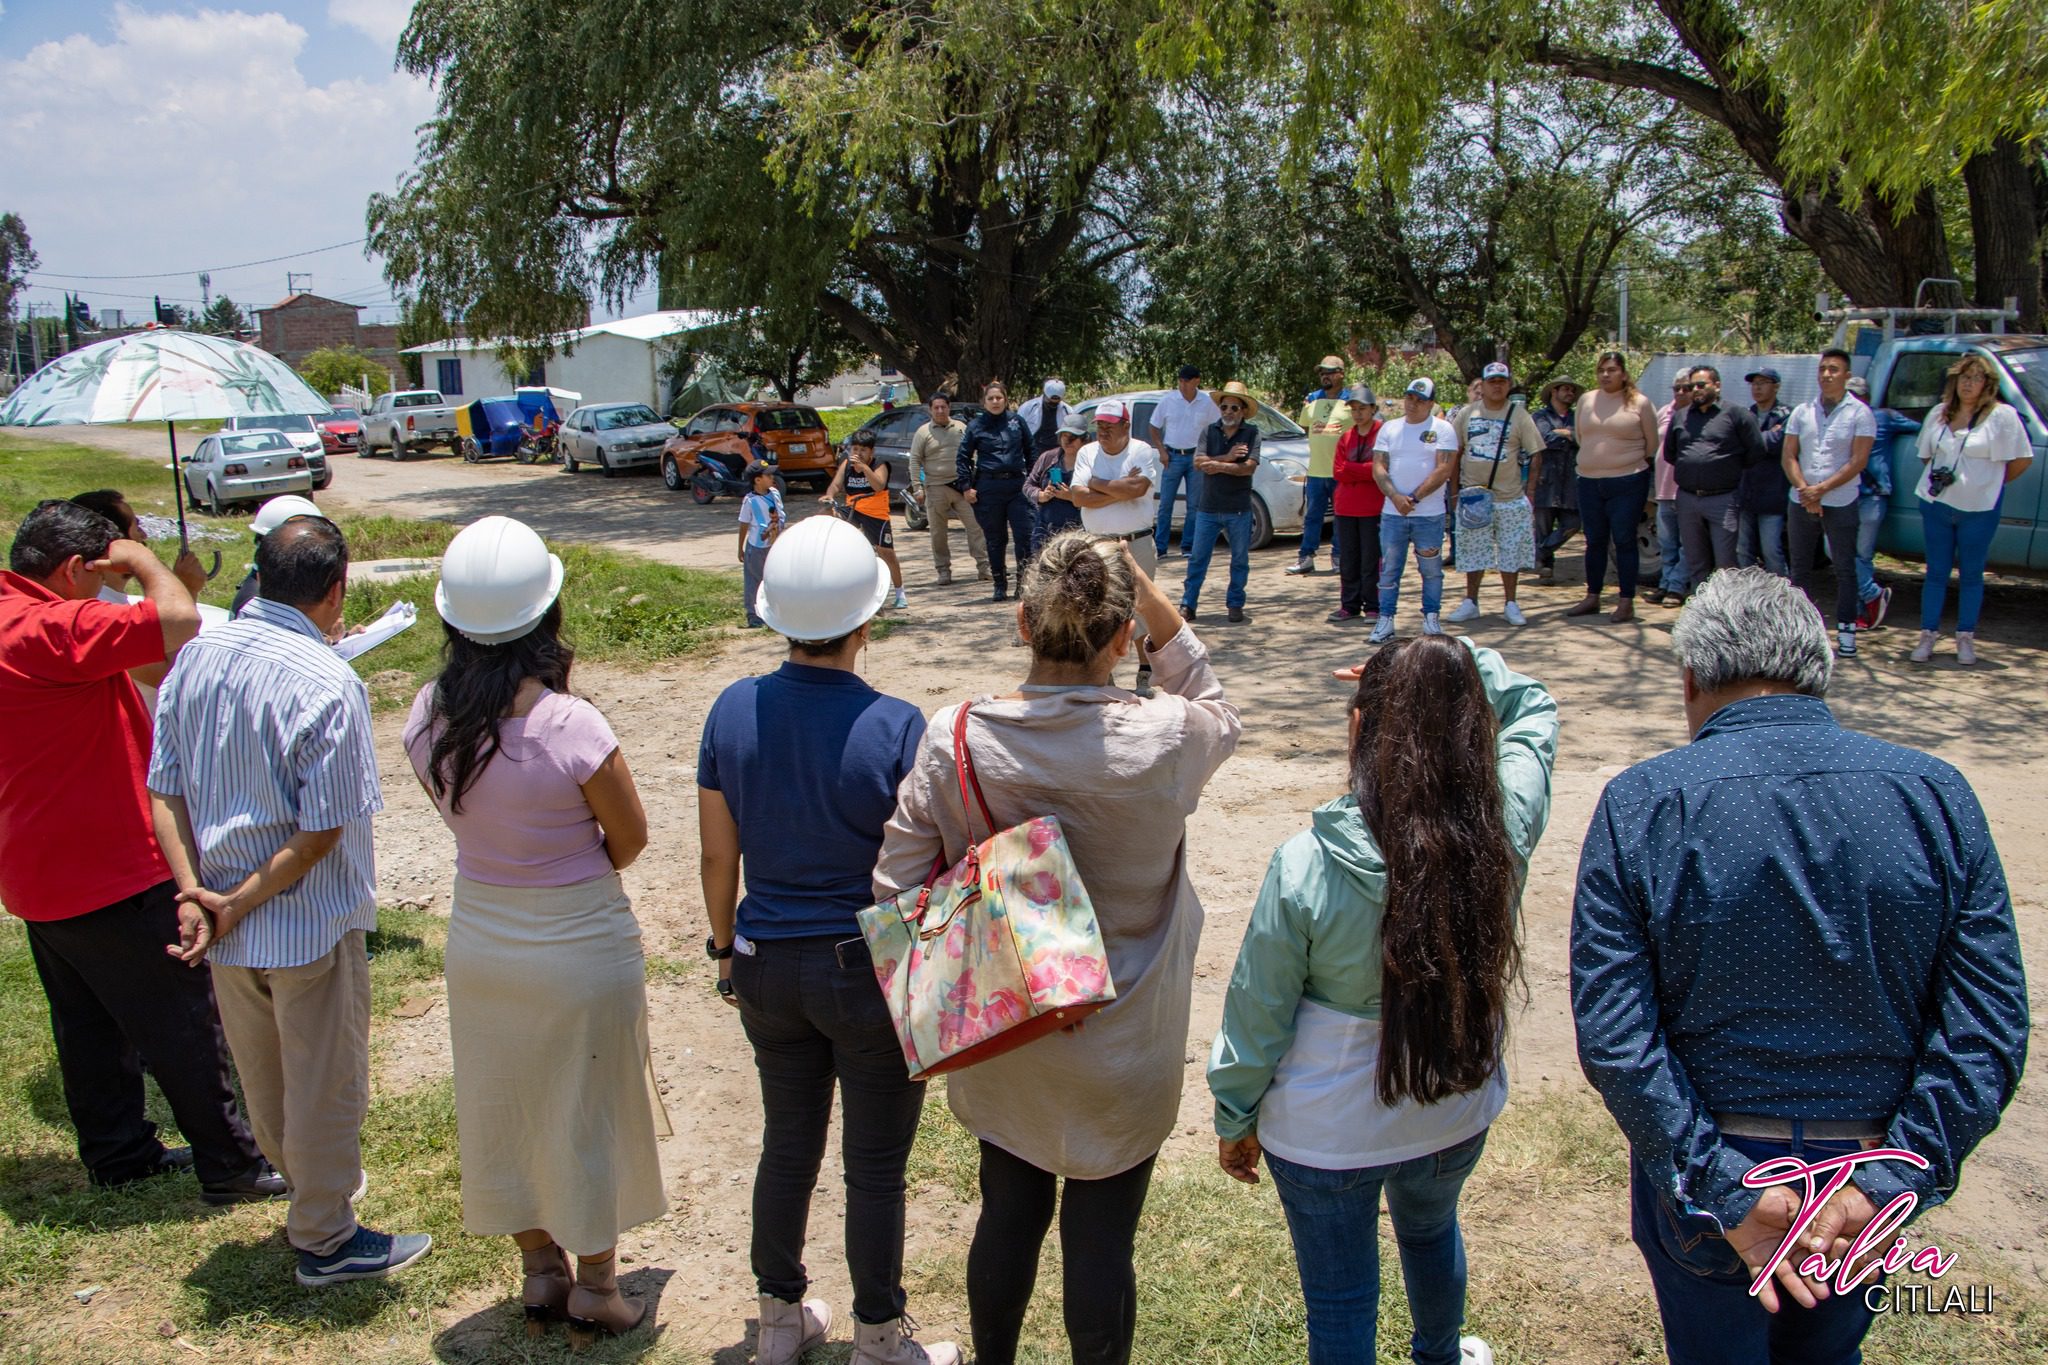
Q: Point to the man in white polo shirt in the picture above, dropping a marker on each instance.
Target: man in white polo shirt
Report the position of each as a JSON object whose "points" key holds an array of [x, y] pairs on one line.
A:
{"points": [[1116, 486], [1827, 445], [1179, 418], [1412, 460]]}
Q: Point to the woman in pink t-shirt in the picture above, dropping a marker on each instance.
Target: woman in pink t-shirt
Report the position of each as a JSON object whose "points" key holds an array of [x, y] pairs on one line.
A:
{"points": [[547, 997]]}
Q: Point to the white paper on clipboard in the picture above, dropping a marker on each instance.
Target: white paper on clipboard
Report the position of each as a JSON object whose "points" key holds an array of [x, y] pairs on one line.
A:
{"points": [[398, 617]]}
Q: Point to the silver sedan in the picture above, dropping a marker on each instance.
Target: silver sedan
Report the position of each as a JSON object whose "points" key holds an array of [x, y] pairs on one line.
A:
{"points": [[244, 466], [612, 436]]}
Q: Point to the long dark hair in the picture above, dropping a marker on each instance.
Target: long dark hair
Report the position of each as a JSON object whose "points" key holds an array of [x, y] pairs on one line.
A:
{"points": [[1424, 771], [475, 691]]}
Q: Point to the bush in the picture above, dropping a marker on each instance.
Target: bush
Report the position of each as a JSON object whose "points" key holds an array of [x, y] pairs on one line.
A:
{"points": [[333, 368]]}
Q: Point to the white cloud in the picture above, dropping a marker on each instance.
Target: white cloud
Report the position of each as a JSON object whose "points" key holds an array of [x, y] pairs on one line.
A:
{"points": [[194, 139], [381, 20]]}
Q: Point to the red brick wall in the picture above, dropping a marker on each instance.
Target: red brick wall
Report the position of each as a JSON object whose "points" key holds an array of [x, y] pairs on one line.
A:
{"points": [[300, 326]]}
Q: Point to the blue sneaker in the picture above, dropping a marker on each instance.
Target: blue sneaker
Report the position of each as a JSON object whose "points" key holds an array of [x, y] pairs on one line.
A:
{"points": [[366, 1256]]}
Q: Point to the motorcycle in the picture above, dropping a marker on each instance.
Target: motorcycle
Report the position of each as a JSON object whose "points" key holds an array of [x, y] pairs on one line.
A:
{"points": [[721, 474]]}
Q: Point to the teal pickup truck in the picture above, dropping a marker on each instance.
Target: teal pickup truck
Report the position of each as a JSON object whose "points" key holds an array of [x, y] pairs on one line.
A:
{"points": [[1906, 376]]}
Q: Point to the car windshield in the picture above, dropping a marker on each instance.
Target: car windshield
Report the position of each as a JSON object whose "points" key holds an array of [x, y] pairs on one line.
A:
{"points": [[344, 415], [787, 419], [632, 415], [253, 443], [2030, 372], [1273, 422], [274, 423]]}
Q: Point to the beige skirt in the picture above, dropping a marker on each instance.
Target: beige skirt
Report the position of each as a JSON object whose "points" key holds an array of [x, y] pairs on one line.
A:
{"points": [[555, 1104]]}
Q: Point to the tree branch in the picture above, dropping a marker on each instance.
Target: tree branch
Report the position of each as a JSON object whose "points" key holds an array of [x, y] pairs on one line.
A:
{"points": [[1695, 94]]}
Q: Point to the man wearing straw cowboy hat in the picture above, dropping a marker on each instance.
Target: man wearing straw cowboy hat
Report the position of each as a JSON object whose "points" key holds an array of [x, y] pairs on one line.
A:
{"points": [[1226, 459]]}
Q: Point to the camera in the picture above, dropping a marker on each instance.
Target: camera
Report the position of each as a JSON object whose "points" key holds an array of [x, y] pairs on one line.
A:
{"points": [[1939, 479]]}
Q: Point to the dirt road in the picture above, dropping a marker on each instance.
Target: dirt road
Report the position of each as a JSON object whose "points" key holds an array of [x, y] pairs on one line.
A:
{"points": [[1615, 684]]}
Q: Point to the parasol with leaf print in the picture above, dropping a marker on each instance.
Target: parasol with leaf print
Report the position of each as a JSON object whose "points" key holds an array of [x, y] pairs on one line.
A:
{"points": [[161, 375]]}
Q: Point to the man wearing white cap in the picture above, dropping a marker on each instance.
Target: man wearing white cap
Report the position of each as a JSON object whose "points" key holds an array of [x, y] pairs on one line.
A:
{"points": [[1043, 416], [1412, 460], [1116, 486], [813, 736], [263, 782]]}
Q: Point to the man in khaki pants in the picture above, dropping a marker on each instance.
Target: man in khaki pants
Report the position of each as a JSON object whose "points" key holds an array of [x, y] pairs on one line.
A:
{"points": [[262, 784], [932, 449]]}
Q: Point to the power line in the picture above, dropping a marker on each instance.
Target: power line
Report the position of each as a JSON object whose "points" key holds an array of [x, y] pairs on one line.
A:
{"points": [[213, 269]]}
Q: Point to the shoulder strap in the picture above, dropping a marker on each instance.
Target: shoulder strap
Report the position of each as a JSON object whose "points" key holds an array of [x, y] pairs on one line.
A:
{"points": [[963, 769]]}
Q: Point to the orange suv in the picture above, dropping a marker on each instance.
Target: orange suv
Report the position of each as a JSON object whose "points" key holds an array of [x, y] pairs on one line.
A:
{"points": [[789, 436]]}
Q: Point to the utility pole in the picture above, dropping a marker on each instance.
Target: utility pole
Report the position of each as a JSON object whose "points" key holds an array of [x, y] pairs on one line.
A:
{"points": [[1621, 283], [205, 292], [292, 285]]}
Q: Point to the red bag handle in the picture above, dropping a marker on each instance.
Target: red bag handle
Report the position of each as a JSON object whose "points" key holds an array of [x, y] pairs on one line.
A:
{"points": [[963, 770]]}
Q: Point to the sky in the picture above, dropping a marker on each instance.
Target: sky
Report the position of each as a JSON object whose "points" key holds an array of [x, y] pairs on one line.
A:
{"points": [[153, 140]]}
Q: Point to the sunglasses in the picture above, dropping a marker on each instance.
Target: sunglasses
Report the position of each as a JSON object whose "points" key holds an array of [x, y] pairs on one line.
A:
{"points": [[1230, 407], [1701, 384]]}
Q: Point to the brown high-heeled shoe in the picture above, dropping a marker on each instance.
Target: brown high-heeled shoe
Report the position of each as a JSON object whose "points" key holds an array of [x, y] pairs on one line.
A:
{"points": [[1626, 611], [545, 1295], [595, 1304], [1585, 606]]}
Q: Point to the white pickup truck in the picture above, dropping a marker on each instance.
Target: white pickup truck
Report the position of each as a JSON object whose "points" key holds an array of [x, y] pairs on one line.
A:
{"points": [[411, 417]]}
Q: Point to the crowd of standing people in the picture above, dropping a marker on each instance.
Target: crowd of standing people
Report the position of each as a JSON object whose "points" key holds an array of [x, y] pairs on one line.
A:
{"points": [[1362, 1044]]}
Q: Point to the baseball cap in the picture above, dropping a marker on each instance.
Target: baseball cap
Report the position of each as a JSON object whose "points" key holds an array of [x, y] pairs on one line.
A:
{"points": [[1112, 411], [1765, 373], [1330, 362], [1425, 387], [1190, 372], [1055, 389], [759, 469], [1361, 393], [1073, 426], [1495, 370]]}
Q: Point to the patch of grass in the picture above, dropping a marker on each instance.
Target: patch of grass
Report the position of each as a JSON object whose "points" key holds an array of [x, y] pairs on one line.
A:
{"points": [[405, 953], [617, 608], [841, 423], [946, 1154]]}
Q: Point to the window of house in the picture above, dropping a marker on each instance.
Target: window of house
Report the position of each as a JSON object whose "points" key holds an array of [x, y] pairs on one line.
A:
{"points": [[448, 374]]}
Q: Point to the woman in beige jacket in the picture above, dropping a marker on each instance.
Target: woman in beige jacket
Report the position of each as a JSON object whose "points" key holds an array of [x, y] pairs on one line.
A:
{"points": [[1617, 441], [1122, 773]]}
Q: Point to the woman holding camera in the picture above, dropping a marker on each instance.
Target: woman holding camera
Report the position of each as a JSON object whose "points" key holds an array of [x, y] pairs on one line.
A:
{"points": [[1973, 446], [1361, 1041]]}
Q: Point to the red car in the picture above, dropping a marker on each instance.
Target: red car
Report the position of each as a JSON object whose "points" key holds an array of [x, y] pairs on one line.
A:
{"points": [[340, 431]]}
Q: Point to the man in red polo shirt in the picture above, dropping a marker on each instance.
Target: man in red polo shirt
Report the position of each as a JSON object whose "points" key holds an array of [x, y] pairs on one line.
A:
{"points": [[79, 860]]}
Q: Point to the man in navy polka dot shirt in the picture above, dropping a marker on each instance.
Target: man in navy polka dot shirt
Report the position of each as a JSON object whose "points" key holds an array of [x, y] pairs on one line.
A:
{"points": [[1789, 939]]}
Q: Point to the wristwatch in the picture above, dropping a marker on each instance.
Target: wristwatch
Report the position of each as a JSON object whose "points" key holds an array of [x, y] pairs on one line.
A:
{"points": [[716, 953]]}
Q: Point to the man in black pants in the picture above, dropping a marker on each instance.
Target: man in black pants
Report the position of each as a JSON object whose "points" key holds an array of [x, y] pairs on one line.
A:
{"points": [[80, 864], [1708, 446]]}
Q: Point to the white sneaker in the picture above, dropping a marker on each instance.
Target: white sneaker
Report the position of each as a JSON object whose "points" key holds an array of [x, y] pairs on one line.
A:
{"points": [[1382, 632], [1430, 625], [1924, 651], [901, 600], [1467, 610], [1473, 1351], [1514, 615], [1966, 647]]}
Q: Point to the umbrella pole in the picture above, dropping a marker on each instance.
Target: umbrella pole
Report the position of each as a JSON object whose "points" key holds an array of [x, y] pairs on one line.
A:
{"points": [[178, 487]]}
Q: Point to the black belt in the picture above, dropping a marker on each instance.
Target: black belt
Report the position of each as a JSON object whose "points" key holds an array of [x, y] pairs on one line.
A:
{"points": [[1780, 1130], [996, 477], [1180, 450]]}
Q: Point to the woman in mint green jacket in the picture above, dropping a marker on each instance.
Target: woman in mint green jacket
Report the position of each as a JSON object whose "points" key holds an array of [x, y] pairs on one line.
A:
{"points": [[1361, 1039]]}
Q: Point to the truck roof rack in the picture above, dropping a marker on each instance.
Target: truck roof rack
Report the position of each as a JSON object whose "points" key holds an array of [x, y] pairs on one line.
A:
{"points": [[1994, 319]]}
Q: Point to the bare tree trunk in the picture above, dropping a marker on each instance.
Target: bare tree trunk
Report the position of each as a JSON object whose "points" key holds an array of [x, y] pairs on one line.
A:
{"points": [[2005, 222]]}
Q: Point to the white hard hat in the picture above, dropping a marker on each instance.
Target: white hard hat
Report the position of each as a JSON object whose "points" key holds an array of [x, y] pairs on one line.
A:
{"points": [[498, 580], [1055, 388], [278, 511], [822, 580]]}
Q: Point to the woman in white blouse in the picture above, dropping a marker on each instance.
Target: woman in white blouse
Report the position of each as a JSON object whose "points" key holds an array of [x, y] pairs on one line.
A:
{"points": [[1972, 446]]}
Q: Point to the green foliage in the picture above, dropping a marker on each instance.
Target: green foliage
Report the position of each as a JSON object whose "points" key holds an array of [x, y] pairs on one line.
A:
{"points": [[331, 368], [223, 317], [17, 258]]}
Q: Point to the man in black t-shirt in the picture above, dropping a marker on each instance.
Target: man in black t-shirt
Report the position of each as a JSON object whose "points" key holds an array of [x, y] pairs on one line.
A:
{"points": [[1229, 451]]}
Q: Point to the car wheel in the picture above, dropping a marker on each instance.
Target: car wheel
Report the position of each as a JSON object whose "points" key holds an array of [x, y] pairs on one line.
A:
{"points": [[569, 464], [214, 506], [397, 449], [471, 451], [704, 488], [604, 462], [672, 474], [1262, 523]]}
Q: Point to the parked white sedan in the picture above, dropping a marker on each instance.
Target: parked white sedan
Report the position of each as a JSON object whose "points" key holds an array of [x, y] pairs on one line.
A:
{"points": [[1278, 484], [244, 466], [612, 436]]}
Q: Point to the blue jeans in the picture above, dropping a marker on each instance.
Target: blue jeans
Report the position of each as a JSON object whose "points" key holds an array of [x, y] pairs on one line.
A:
{"points": [[1703, 1286], [1237, 526], [1959, 541], [1179, 470], [1672, 579], [1426, 534], [1609, 510], [1334, 1217], [1316, 496], [1759, 539], [1869, 520]]}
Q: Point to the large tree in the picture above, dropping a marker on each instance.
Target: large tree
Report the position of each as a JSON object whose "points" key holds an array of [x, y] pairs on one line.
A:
{"points": [[1859, 117], [17, 258], [933, 176]]}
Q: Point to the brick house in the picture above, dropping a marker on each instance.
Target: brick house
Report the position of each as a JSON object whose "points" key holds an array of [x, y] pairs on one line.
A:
{"points": [[297, 326]]}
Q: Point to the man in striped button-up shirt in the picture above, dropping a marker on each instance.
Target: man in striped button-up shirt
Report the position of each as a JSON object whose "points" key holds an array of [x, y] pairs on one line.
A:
{"points": [[263, 782]]}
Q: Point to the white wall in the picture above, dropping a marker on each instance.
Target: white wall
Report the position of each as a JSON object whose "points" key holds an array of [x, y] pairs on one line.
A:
{"points": [[603, 368]]}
